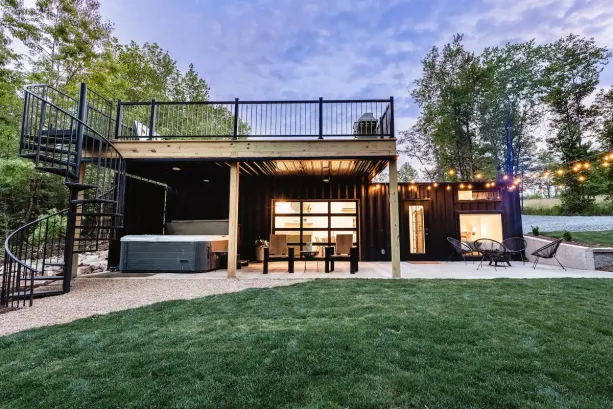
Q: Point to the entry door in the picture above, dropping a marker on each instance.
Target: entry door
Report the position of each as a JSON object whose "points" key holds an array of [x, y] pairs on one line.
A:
{"points": [[415, 230]]}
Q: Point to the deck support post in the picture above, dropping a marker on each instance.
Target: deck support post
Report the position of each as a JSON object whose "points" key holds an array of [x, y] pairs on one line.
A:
{"points": [[233, 220], [394, 218]]}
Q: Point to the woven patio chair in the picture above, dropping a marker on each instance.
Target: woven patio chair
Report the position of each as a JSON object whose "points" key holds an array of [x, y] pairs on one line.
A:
{"points": [[491, 250], [515, 245], [460, 248], [548, 251]]}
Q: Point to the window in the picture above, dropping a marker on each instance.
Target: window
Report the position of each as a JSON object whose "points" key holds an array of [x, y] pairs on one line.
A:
{"points": [[475, 226], [417, 231], [313, 225], [478, 195]]}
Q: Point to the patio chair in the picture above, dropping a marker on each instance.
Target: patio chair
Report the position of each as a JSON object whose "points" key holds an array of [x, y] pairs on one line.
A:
{"points": [[491, 250], [460, 248], [343, 251], [548, 251], [278, 251], [515, 245]]}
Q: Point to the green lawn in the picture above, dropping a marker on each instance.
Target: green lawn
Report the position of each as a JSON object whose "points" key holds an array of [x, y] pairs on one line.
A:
{"points": [[604, 238], [331, 344]]}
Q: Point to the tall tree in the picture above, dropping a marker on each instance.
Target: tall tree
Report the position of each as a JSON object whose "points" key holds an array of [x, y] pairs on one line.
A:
{"points": [[510, 110], [570, 77], [63, 37], [448, 93]]}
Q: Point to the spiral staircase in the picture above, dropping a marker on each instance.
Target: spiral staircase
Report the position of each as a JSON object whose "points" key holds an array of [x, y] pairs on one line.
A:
{"points": [[68, 137]]}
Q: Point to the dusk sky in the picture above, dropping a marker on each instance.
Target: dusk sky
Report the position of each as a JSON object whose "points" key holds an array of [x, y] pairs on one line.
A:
{"points": [[281, 49]]}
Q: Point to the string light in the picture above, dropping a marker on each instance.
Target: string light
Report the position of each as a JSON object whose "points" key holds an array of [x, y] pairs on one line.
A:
{"points": [[505, 177], [448, 187], [451, 172], [435, 184], [560, 172], [462, 186], [586, 165], [429, 187], [581, 178], [478, 175], [576, 168], [470, 186]]}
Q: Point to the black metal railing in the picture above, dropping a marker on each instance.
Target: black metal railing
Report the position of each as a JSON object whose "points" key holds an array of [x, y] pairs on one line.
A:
{"points": [[70, 146], [255, 119], [34, 258]]}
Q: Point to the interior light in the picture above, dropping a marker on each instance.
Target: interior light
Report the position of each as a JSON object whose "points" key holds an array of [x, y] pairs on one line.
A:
{"points": [[206, 180], [176, 168]]}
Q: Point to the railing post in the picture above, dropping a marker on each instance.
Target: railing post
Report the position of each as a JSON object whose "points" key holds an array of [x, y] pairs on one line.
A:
{"points": [[321, 118], [235, 137], [118, 119], [41, 124], [69, 260], [152, 119], [82, 116], [392, 132]]}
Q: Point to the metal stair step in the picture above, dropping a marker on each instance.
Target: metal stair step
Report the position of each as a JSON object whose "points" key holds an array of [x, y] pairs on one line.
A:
{"points": [[47, 158], [55, 264], [57, 171], [81, 201], [39, 294], [47, 148], [47, 278], [99, 214], [80, 186]]}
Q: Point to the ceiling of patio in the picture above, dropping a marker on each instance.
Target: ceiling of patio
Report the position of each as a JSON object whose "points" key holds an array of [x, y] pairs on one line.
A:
{"points": [[172, 171]]}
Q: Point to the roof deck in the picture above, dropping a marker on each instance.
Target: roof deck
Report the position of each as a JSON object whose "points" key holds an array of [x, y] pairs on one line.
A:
{"points": [[241, 130]]}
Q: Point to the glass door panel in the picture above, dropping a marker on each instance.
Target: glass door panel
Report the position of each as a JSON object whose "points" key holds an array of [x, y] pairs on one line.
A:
{"points": [[417, 230]]}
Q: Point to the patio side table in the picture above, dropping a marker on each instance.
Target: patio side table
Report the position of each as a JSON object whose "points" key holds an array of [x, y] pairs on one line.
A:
{"points": [[309, 255]]}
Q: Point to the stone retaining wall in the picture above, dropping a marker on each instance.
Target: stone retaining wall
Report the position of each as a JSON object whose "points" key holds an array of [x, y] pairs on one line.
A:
{"points": [[573, 256]]}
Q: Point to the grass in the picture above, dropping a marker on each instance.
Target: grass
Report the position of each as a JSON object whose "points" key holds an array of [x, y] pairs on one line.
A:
{"points": [[331, 344], [604, 238]]}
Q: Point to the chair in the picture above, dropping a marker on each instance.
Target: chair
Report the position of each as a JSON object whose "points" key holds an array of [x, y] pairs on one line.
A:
{"points": [[548, 251], [278, 251], [344, 251], [460, 248], [515, 245], [491, 250]]}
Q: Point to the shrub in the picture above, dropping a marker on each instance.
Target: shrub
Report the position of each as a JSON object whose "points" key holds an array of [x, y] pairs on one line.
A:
{"points": [[567, 236], [535, 230]]}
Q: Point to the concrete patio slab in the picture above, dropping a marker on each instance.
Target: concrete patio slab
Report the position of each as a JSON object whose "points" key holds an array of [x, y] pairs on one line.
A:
{"points": [[379, 270]]}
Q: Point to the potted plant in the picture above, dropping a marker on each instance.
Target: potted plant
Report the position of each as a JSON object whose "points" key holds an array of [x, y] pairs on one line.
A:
{"points": [[259, 249]]}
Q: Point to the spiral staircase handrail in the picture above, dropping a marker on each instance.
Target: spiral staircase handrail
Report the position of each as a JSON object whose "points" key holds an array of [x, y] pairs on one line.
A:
{"points": [[7, 242]]}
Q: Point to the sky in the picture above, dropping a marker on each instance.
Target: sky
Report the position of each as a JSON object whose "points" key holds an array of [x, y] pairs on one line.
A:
{"points": [[294, 49]]}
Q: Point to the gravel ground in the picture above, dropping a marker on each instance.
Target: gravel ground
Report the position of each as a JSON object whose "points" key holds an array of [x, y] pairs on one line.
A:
{"points": [[570, 223], [100, 296]]}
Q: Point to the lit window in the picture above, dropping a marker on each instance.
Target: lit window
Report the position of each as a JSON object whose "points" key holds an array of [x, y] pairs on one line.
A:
{"points": [[478, 195], [477, 226]]}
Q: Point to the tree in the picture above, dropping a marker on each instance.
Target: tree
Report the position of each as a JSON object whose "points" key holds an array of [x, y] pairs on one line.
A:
{"points": [[570, 76], [406, 173], [63, 37], [448, 93], [510, 110]]}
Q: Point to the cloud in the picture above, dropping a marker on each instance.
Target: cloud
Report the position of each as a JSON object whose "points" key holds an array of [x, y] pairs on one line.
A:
{"points": [[271, 49]]}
